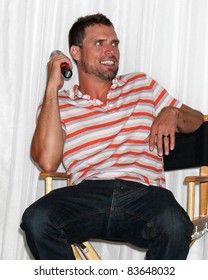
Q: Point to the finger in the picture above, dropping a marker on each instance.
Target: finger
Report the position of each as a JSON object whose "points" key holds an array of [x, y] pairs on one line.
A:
{"points": [[152, 139], [160, 144], [166, 144], [172, 141], [60, 58], [146, 140]]}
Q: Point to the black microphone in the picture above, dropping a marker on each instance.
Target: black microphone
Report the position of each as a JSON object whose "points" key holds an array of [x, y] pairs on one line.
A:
{"points": [[65, 70]]}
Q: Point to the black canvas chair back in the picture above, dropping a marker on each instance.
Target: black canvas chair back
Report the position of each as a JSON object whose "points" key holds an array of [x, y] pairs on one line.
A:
{"points": [[191, 150]]}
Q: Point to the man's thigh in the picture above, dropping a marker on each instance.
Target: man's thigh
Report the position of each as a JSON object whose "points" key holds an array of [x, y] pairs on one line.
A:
{"points": [[81, 211]]}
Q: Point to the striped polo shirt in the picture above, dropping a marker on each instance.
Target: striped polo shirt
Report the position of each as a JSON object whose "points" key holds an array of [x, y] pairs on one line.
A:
{"points": [[106, 141]]}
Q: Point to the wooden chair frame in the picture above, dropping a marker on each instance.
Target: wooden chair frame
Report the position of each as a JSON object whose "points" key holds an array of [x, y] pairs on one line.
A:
{"points": [[86, 251], [201, 221]]}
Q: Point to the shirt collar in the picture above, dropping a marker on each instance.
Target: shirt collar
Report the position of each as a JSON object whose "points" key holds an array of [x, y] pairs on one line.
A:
{"points": [[75, 93]]}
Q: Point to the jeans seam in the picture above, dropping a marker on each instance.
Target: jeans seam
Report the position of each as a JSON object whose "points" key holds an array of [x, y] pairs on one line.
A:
{"points": [[80, 217], [111, 210]]}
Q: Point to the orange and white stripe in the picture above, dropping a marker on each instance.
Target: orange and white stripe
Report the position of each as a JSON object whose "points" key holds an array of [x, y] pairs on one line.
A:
{"points": [[106, 141]]}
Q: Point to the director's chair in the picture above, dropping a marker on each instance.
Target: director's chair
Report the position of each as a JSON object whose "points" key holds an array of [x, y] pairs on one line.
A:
{"points": [[191, 150]]}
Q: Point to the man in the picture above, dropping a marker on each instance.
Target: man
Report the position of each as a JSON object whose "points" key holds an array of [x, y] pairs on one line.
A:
{"points": [[109, 132]]}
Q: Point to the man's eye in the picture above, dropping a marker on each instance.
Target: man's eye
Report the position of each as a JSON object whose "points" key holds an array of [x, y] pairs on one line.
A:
{"points": [[115, 44], [98, 43]]}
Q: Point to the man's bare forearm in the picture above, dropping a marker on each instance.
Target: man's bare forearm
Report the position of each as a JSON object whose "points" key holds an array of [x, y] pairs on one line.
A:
{"points": [[48, 140], [188, 119]]}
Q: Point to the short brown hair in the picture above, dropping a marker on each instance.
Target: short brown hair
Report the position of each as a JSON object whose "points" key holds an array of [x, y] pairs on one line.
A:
{"points": [[77, 31]]}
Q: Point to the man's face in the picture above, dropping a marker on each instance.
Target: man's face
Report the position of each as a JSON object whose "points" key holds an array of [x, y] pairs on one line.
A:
{"points": [[99, 53]]}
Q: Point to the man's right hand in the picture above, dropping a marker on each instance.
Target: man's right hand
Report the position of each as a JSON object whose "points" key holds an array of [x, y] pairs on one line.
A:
{"points": [[54, 77]]}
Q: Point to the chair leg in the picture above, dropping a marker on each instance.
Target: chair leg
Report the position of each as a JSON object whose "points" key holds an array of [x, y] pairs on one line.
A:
{"points": [[76, 253], [48, 184], [203, 193], [88, 251], [191, 201]]}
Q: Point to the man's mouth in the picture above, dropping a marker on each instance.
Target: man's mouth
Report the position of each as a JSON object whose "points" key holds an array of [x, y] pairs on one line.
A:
{"points": [[108, 62]]}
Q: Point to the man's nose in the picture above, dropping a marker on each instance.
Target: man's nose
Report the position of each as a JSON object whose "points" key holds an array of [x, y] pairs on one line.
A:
{"points": [[109, 49]]}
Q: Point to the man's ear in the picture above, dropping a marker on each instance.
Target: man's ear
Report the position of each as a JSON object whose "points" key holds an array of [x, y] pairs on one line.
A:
{"points": [[75, 52]]}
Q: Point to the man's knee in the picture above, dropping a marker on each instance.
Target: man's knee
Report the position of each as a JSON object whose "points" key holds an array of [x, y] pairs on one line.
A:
{"points": [[34, 220], [172, 219], [176, 223]]}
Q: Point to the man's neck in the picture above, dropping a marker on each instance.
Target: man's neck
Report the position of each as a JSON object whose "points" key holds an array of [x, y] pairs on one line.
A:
{"points": [[95, 88]]}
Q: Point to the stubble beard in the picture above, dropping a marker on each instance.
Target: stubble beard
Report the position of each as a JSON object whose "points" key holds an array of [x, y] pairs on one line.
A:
{"points": [[107, 75]]}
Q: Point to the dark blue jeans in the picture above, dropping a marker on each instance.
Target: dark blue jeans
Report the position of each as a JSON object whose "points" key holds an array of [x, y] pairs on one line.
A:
{"points": [[145, 216]]}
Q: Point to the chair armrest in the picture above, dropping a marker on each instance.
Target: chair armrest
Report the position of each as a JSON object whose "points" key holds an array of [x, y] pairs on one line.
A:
{"points": [[50, 176], [199, 179], [55, 175]]}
